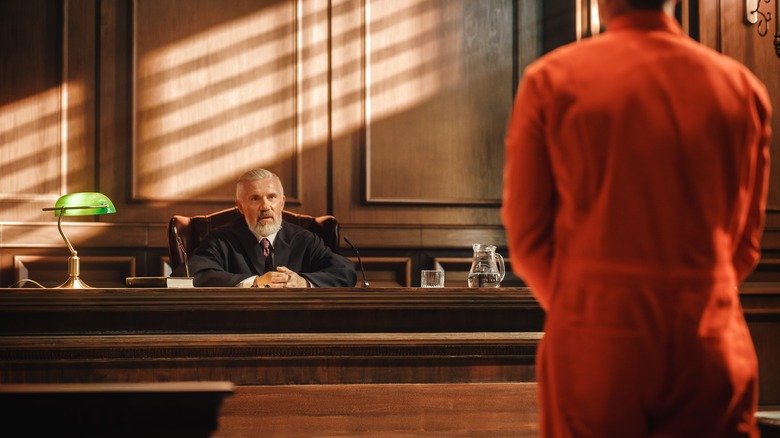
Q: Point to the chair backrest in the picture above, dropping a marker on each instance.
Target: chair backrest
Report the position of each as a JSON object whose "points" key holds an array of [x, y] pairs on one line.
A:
{"points": [[191, 229]]}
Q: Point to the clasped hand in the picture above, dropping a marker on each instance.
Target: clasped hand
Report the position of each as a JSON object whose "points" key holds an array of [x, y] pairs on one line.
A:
{"points": [[282, 277]]}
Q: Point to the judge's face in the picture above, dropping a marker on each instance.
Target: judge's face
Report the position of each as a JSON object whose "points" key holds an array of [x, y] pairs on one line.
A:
{"points": [[261, 202]]}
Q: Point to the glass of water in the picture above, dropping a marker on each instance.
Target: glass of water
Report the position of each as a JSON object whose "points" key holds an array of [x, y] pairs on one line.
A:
{"points": [[431, 278]]}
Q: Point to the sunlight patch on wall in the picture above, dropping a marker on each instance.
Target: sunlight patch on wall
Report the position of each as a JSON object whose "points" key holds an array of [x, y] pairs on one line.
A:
{"points": [[251, 83], [213, 102], [30, 146], [438, 86], [406, 43]]}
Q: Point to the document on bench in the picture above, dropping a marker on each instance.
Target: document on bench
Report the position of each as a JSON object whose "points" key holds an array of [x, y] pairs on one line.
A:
{"points": [[171, 282]]}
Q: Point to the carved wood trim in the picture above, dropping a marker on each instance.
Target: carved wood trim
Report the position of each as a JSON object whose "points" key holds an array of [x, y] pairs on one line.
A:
{"points": [[221, 310], [312, 346], [272, 359]]}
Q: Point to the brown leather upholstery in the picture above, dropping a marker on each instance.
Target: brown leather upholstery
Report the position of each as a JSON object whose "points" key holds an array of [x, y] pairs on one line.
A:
{"points": [[192, 229]]}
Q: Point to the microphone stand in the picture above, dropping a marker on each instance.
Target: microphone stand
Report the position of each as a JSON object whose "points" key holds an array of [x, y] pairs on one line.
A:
{"points": [[183, 251], [360, 263]]}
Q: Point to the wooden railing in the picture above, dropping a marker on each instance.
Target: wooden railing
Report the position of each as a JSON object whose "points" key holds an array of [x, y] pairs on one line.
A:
{"points": [[270, 337], [307, 336]]}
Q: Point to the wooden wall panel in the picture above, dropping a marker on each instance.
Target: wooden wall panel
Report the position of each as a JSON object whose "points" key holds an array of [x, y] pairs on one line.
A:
{"points": [[438, 88], [385, 271], [723, 27], [744, 42], [30, 104], [46, 100], [422, 92]]}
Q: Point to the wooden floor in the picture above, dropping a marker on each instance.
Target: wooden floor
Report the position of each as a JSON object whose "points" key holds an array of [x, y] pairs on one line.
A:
{"points": [[383, 410]]}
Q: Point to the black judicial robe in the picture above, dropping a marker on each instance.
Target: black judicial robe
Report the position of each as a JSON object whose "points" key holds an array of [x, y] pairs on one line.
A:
{"points": [[231, 253]]}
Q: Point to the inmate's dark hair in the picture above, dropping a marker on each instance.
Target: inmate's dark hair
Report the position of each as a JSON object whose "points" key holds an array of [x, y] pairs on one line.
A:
{"points": [[646, 4]]}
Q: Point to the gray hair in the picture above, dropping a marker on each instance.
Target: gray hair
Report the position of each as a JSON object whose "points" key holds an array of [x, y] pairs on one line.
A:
{"points": [[256, 175]]}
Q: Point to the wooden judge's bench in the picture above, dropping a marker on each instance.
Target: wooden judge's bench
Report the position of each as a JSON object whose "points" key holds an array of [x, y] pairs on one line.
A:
{"points": [[374, 361]]}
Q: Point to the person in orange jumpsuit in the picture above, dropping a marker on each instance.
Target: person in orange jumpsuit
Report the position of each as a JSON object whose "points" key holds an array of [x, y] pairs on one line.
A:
{"points": [[634, 194]]}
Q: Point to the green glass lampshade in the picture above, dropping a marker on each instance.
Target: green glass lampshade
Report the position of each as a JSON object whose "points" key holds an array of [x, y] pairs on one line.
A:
{"points": [[83, 204], [78, 204]]}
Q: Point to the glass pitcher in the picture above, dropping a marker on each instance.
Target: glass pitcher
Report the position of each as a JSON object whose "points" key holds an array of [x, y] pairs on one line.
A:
{"points": [[487, 269]]}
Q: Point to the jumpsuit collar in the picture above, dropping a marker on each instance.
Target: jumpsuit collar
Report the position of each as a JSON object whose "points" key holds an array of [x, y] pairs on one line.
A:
{"points": [[645, 20]]}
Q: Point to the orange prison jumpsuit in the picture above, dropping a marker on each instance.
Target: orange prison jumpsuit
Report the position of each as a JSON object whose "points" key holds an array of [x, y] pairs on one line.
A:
{"points": [[634, 195]]}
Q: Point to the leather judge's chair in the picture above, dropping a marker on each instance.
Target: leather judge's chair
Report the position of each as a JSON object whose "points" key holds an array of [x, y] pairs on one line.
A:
{"points": [[191, 229]]}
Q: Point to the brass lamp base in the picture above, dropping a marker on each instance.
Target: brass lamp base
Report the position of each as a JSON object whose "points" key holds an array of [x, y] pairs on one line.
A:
{"points": [[74, 270], [74, 283]]}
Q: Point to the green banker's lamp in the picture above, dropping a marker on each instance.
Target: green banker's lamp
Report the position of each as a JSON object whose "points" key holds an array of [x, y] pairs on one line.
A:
{"points": [[78, 204]]}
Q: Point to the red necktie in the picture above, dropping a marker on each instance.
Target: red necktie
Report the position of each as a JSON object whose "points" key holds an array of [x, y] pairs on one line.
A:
{"points": [[268, 252]]}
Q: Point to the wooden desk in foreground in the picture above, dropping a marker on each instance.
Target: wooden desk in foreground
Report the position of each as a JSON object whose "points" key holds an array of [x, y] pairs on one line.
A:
{"points": [[292, 337], [252, 337]]}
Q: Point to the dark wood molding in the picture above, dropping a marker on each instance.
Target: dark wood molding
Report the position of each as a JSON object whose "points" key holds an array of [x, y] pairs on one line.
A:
{"points": [[272, 359], [235, 310]]}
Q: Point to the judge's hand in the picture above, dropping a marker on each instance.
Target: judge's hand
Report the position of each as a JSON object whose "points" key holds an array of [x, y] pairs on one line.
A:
{"points": [[282, 277]]}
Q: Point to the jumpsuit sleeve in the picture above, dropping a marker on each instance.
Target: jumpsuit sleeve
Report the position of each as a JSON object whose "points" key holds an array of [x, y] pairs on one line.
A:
{"points": [[529, 191]]}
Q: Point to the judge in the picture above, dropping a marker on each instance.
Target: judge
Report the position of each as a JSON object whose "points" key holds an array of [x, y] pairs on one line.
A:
{"points": [[261, 250]]}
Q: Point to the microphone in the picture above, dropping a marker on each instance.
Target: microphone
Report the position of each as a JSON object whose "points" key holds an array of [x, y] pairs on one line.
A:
{"points": [[360, 263], [183, 251]]}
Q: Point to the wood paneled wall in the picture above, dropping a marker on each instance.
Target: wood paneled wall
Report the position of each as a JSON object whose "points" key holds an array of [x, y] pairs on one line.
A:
{"points": [[388, 115]]}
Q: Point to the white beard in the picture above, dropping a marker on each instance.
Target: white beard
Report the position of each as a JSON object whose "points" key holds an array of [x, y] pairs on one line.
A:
{"points": [[263, 229]]}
